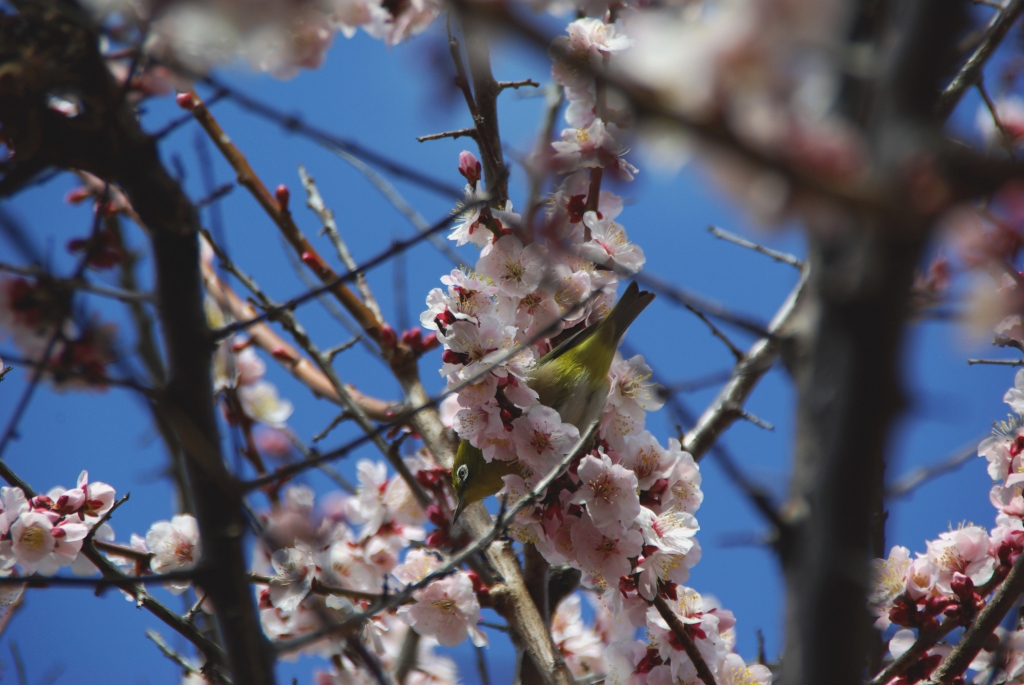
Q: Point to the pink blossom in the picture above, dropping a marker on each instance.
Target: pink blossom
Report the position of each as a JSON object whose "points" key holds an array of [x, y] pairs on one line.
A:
{"points": [[446, 610], [260, 402], [610, 246], [604, 553], [675, 552], [646, 458], [631, 390], [589, 148], [31, 538], [541, 439], [294, 570], [735, 672], [684, 481], [582, 648], [99, 497], [516, 270], [961, 551], [1015, 395], [889, 581], [175, 546], [608, 490]]}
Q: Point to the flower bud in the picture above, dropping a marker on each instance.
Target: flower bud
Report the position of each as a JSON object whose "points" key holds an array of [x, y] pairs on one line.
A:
{"points": [[430, 342], [388, 337], [469, 167], [283, 195], [312, 260], [186, 101]]}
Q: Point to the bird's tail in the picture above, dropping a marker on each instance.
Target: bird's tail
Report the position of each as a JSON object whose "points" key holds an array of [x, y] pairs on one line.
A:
{"points": [[629, 306]]}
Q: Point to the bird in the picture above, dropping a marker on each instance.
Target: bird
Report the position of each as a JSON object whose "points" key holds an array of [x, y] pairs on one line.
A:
{"points": [[572, 379]]}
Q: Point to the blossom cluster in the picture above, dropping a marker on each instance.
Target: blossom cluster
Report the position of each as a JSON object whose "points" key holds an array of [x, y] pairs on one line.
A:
{"points": [[953, 578], [280, 36], [42, 534], [623, 514], [33, 314], [238, 373]]}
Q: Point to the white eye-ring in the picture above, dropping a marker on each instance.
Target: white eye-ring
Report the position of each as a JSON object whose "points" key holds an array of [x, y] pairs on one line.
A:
{"points": [[463, 472]]}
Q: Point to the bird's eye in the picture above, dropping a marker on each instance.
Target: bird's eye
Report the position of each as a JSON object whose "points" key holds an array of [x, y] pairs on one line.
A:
{"points": [[463, 472]]}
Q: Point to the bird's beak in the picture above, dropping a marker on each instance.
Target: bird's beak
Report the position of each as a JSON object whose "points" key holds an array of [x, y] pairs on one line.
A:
{"points": [[458, 509]]}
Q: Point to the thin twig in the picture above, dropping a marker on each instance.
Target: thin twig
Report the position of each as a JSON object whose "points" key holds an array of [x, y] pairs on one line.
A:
{"points": [[80, 284], [715, 331], [459, 133], [295, 124], [783, 257], [969, 74], [391, 194], [316, 203], [166, 650], [919, 476], [287, 319], [709, 307], [516, 85], [481, 666], [333, 283], [996, 362]]}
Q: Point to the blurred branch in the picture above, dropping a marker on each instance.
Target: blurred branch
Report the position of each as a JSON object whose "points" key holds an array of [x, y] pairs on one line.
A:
{"points": [[298, 366], [295, 124], [917, 477], [996, 362], [750, 245], [287, 319], [79, 284], [970, 73], [748, 372]]}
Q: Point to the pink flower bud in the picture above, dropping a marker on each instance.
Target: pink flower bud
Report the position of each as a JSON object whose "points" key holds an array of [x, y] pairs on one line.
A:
{"points": [[388, 337], [469, 166], [430, 342], [283, 195], [186, 101], [77, 195], [312, 260]]}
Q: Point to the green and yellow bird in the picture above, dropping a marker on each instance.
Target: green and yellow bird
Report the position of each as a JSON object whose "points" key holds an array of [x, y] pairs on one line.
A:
{"points": [[571, 379]]}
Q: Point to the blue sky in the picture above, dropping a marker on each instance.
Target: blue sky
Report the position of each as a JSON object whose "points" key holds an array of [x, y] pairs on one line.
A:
{"points": [[384, 99]]}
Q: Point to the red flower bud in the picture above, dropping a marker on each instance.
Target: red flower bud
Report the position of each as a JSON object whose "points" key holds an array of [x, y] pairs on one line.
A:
{"points": [[430, 341], [438, 539], [281, 354], [77, 195], [312, 260], [283, 195], [186, 101], [388, 337]]}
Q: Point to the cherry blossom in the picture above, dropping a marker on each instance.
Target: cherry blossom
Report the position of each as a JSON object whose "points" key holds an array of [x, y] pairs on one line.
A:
{"points": [[604, 553], [446, 610], [608, 490], [294, 570], [610, 246], [176, 547], [541, 439], [517, 271], [963, 551]]}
